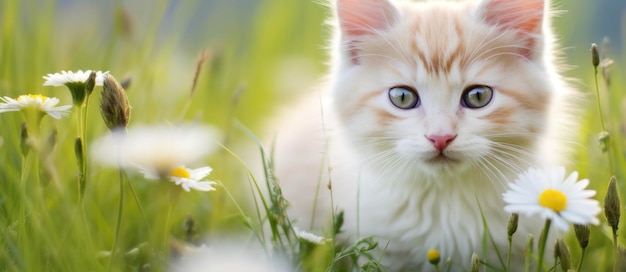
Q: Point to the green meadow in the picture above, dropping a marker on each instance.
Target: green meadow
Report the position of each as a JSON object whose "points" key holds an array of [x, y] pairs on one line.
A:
{"points": [[231, 65]]}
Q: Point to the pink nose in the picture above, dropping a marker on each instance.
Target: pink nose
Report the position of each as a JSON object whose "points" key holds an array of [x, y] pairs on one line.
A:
{"points": [[441, 141]]}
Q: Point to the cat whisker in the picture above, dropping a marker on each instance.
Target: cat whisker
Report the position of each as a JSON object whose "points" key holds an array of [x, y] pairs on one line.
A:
{"points": [[392, 45], [487, 170], [505, 161], [377, 55], [497, 48], [472, 57], [382, 141], [524, 135]]}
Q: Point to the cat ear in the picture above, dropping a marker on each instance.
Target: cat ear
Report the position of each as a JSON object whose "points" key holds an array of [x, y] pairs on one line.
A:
{"points": [[358, 18], [523, 16], [364, 17]]}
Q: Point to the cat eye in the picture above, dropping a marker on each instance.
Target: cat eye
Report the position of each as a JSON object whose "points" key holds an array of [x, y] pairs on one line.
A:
{"points": [[476, 96], [404, 97]]}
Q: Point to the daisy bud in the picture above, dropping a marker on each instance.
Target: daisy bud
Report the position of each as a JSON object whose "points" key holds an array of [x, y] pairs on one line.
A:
{"points": [[24, 146], [338, 222], [126, 82], [612, 204], [433, 256], [90, 84], [132, 254], [595, 56], [104, 254], [512, 227], [51, 142], [562, 252], [604, 137], [556, 249], [582, 235], [78, 150], [114, 105], [475, 265], [190, 228]]}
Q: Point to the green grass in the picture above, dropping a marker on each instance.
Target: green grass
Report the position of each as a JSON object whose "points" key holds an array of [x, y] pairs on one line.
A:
{"points": [[250, 62]]}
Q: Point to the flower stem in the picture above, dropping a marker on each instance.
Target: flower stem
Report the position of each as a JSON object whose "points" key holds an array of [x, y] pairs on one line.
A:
{"points": [[582, 257], [80, 156], [616, 257], [166, 231], [608, 149], [508, 255], [174, 194], [542, 244], [595, 77], [119, 218], [23, 232], [141, 210], [83, 136]]}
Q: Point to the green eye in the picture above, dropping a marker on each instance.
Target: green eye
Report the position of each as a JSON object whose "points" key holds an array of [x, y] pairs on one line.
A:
{"points": [[404, 97], [476, 96]]}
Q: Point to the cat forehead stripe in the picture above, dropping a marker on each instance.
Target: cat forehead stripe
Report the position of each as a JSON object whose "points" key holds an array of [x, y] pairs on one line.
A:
{"points": [[437, 55]]}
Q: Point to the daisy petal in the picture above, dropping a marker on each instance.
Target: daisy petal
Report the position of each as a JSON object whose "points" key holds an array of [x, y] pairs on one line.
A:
{"points": [[549, 194]]}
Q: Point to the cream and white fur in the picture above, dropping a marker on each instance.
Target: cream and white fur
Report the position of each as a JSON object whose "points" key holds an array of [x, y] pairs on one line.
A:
{"points": [[385, 172]]}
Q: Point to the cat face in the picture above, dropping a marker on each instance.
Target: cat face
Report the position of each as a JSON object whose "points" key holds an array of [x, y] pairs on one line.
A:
{"points": [[438, 87]]}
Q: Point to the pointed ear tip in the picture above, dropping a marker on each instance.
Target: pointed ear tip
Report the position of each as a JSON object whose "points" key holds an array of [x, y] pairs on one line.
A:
{"points": [[515, 4], [358, 17], [525, 14]]}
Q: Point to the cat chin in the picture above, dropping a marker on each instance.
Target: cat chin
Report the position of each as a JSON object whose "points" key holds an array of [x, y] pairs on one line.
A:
{"points": [[439, 167], [435, 164], [436, 169]]}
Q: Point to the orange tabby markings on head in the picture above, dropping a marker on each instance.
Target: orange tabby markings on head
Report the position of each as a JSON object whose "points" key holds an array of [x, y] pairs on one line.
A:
{"points": [[501, 115], [438, 61], [535, 101]]}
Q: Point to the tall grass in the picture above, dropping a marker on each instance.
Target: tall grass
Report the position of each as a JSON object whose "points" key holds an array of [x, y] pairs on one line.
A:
{"points": [[249, 69]]}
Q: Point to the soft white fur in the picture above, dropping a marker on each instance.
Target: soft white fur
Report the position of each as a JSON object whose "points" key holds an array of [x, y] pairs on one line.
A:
{"points": [[380, 175]]}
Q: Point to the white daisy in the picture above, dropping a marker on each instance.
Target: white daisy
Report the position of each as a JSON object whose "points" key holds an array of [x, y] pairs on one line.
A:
{"points": [[66, 77], [158, 148], [185, 177], [307, 236], [550, 194], [43, 104]]}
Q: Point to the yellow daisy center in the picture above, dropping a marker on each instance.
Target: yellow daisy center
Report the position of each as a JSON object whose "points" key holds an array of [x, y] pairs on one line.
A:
{"points": [[32, 96], [433, 256], [553, 199], [180, 172]]}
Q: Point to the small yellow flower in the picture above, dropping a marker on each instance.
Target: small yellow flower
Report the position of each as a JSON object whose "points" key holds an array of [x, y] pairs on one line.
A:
{"points": [[433, 256]]}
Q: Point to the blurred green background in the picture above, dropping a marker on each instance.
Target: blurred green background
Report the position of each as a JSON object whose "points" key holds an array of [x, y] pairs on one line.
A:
{"points": [[261, 54]]}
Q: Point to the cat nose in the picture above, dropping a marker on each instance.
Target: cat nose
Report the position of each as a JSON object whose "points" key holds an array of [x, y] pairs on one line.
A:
{"points": [[441, 141]]}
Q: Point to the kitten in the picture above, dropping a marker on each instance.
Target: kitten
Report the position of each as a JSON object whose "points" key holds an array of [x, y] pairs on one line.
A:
{"points": [[434, 107]]}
